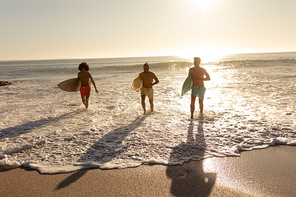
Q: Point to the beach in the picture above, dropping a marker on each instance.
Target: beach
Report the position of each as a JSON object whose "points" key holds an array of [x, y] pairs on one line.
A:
{"points": [[249, 104], [214, 113], [264, 172], [244, 144]]}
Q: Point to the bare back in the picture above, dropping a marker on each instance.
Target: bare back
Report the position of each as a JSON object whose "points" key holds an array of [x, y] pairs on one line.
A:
{"points": [[84, 77], [198, 76]]}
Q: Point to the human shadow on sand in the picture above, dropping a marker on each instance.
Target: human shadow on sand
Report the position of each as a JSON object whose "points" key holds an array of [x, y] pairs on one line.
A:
{"points": [[189, 179], [31, 125], [104, 150]]}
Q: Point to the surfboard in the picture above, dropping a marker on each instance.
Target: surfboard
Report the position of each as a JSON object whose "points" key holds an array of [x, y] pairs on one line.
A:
{"points": [[187, 85], [137, 84], [70, 85]]}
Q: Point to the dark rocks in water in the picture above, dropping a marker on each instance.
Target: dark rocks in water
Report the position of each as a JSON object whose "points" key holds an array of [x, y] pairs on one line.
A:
{"points": [[4, 83]]}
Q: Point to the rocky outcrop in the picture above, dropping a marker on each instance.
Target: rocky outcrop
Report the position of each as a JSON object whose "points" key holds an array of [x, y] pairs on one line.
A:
{"points": [[4, 83]]}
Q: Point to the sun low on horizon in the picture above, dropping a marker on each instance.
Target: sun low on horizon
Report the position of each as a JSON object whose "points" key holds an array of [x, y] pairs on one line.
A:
{"points": [[207, 54], [105, 29], [203, 3]]}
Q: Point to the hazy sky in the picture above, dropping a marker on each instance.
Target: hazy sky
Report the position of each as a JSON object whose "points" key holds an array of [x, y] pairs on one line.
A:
{"points": [[51, 29]]}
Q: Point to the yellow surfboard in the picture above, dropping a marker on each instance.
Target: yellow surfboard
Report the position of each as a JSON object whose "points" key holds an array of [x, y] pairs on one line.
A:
{"points": [[137, 84]]}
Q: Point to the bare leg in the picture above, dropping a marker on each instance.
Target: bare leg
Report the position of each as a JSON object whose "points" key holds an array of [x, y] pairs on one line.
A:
{"points": [[192, 106], [151, 104], [83, 100], [201, 106], [143, 102], [86, 101]]}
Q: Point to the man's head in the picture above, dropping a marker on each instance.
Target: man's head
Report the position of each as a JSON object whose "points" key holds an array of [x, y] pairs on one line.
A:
{"points": [[146, 67], [84, 66], [196, 61]]}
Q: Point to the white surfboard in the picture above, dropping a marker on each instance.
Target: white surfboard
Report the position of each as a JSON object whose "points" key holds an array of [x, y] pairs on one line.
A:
{"points": [[187, 85], [70, 85], [137, 84]]}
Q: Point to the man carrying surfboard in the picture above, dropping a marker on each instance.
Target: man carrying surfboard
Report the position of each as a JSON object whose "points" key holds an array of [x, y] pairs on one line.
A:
{"points": [[84, 77], [147, 90], [198, 75]]}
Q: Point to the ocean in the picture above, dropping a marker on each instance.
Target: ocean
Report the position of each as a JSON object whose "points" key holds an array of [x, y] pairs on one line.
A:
{"points": [[249, 104]]}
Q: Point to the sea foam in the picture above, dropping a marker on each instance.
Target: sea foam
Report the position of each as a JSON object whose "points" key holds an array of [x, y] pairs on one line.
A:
{"points": [[246, 107]]}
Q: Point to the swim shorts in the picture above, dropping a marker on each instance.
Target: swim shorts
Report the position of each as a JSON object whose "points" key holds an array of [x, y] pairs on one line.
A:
{"points": [[147, 92], [200, 91], [85, 91]]}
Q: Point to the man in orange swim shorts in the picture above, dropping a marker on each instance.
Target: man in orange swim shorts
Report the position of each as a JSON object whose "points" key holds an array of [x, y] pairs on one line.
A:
{"points": [[85, 91], [84, 77]]}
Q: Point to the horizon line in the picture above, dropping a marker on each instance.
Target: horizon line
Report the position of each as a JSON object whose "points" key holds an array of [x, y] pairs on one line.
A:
{"points": [[53, 59]]}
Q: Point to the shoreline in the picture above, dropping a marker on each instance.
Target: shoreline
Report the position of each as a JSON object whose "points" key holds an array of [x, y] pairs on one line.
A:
{"points": [[263, 172]]}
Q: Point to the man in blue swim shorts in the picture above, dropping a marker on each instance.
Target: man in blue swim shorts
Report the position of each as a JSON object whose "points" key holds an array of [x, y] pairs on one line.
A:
{"points": [[198, 91], [198, 75]]}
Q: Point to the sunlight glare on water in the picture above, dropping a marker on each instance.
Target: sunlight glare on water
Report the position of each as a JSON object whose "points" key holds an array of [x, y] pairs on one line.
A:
{"points": [[245, 107]]}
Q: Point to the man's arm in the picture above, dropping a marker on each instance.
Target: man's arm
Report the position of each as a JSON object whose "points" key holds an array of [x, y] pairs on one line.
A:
{"points": [[93, 82], [189, 73], [208, 78], [156, 80]]}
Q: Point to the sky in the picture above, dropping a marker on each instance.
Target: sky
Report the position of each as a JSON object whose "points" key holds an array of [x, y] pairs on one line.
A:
{"points": [[73, 29]]}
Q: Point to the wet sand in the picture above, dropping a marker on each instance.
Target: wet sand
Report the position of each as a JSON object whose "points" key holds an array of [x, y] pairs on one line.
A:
{"points": [[264, 172]]}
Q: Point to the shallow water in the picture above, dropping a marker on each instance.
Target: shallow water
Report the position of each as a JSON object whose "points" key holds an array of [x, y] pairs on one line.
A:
{"points": [[249, 104]]}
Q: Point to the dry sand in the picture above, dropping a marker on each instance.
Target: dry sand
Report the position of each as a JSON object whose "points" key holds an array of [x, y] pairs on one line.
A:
{"points": [[265, 172]]}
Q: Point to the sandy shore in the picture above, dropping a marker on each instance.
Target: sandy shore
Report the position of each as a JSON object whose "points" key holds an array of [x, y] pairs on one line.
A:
{"points": [[265, 172]]}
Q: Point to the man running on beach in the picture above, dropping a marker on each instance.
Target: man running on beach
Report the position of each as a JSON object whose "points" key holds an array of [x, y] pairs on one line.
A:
{"points": [[198, 77], [147, 90], [84, 77]]}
